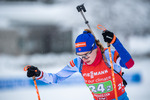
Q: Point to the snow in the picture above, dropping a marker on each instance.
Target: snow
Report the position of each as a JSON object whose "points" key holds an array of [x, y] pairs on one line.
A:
{"points": [[140, 91], [15, 64], [139, 45], [48, 93]]}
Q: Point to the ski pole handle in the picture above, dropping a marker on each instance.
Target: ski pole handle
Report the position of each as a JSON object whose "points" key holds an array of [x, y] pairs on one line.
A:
{"points": [[81, 8], [34, 80], [101, 27]]}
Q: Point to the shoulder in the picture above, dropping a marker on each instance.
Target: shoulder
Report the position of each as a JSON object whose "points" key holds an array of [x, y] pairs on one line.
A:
{"points": [[75, 63], [115, 54], [106, 52]]}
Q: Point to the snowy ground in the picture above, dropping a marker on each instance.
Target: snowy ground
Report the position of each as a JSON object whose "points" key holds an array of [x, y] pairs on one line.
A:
{"points": [[12, 67]]}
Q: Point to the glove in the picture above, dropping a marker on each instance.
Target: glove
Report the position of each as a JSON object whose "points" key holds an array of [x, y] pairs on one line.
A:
{"points": [[33, 71], [109, 36]]}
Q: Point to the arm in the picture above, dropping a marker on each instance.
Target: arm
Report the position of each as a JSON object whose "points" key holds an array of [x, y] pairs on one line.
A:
{"points": [[63, 74], [124, 59]]}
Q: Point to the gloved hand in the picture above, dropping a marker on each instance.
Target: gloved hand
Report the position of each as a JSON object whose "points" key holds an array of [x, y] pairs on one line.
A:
{"points": [[33, 71], [109, 36]]}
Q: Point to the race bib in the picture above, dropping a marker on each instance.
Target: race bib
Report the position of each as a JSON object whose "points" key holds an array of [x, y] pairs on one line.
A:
{"points": [[99, 88]]}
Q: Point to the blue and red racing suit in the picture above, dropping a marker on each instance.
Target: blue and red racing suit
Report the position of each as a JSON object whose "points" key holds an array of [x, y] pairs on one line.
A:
{"points": [[97, 76]]}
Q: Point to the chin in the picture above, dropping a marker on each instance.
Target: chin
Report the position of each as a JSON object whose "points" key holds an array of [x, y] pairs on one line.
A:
{"points": [[89, 63]]}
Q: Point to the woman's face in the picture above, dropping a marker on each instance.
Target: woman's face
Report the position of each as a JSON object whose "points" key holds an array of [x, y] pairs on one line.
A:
{"points": [[88, 57]]}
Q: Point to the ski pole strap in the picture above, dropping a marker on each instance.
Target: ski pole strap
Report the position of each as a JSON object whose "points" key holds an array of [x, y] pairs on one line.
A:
{"points": [[101, 27], [26, 67]]}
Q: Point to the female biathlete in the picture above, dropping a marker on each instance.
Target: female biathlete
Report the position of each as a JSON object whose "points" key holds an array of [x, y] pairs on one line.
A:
{"points": [[94, 65]]}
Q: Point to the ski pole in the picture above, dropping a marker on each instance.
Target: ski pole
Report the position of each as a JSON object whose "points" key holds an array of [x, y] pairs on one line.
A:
{"points": [[82, 9], [34, 80], [112, 68]]}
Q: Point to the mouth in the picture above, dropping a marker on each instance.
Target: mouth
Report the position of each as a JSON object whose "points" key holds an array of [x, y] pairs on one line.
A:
{"points": [[87, 62]]}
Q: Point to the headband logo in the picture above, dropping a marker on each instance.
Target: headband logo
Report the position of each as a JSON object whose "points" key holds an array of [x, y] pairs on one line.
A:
{"points": [[80, 44]]}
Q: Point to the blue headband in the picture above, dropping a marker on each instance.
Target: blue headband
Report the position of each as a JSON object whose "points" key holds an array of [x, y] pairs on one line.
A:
{"points": [[85, 42]]}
